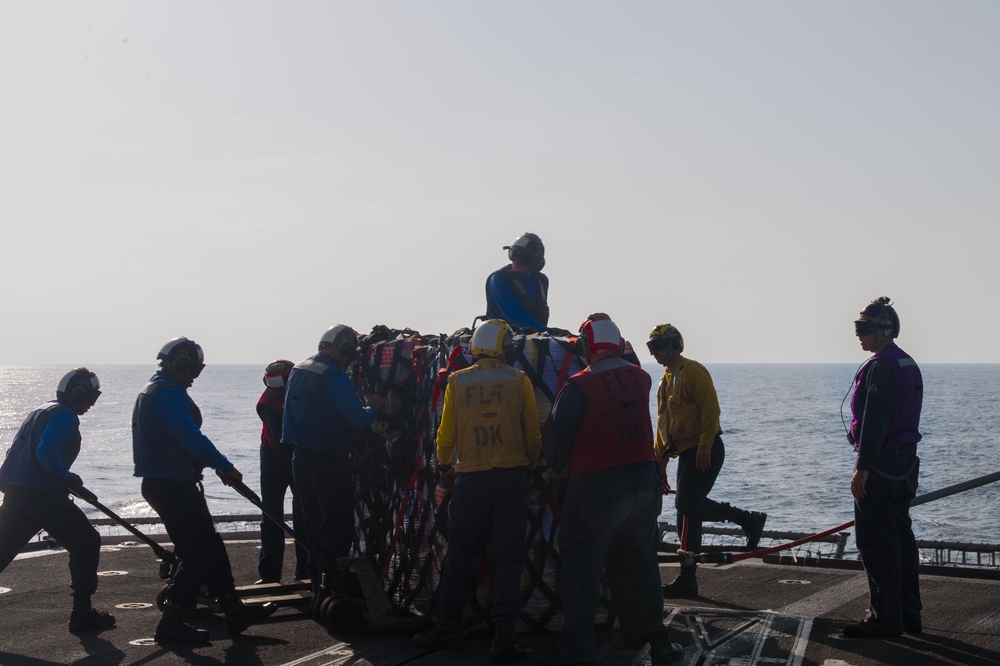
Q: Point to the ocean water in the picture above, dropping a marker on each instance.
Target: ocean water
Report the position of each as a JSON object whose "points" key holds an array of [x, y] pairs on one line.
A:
{"points": [[787, 452]]}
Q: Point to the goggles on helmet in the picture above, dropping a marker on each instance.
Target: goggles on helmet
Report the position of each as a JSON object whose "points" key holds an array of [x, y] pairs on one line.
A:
{"points": [[864, 327], [657, 345]]}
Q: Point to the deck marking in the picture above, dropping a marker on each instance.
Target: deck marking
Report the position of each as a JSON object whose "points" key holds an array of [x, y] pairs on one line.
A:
{"points": [[742, 638], [821, 602]]}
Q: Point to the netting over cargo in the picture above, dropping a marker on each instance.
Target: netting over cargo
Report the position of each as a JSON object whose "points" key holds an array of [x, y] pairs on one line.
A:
{"points": [[401, 509]]}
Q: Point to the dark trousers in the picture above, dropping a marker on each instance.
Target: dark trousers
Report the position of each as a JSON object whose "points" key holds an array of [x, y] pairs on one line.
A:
{"points": [[326, 492], [884, 536], [692, 502], [25, 511], [609, 520], [202, 555], [487, 507], [275, 479]]}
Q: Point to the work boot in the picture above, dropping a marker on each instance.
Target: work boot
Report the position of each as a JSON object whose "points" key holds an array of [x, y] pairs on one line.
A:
{"points": [[89, 620], [661, 650], [505, 649], [685, 585], [447, 634], [753, 526], [173, 629], [239, 615]]}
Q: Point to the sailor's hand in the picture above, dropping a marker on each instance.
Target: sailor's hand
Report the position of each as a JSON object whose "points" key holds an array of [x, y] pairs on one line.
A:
{"points": [[232, 476], [666, 485], [703, 462], [75, 485], [376, 402], [858, 482], [448, 477]]}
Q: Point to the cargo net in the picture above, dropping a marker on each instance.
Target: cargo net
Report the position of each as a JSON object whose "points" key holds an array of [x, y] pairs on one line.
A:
{"points": [[401, 508]]}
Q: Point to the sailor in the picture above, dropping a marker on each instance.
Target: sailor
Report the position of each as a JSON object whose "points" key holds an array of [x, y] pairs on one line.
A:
{"points": [[688, 429], [489, 428], [322, 411], [170, 453], [35, 478], [276, 477], [600, 435], [885, 424], [518, 293]]}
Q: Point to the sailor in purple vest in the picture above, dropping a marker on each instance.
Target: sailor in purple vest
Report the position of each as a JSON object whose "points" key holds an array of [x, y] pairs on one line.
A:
{"points": [[36, 482], [600, 435], [276, 477], [518, 293], [885, 419]]}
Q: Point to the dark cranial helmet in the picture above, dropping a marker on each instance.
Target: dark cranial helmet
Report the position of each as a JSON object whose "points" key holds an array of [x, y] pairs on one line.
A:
{"points": [[527, 249], [663, 336], [878, 317], [80, 386], [182, 355]]}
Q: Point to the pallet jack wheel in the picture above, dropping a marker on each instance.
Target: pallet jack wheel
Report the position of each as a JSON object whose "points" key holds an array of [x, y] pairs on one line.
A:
{"points": [[161, 597], [339, 614], [324, 607]]}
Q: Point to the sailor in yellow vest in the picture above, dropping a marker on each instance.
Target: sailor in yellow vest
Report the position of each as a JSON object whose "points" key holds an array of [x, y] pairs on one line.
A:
{"points": [[489, 426], [688, 429]]}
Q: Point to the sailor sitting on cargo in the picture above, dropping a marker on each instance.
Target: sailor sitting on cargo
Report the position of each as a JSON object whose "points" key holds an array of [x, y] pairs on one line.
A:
{"points": [[518, 293], [35, 478]]}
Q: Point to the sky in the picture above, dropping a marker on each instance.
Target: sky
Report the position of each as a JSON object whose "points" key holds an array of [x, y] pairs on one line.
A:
{"points": [[248, 174]]}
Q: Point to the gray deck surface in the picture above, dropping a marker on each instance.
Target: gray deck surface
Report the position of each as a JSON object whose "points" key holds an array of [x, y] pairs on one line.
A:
{"points": [[749, 613]]}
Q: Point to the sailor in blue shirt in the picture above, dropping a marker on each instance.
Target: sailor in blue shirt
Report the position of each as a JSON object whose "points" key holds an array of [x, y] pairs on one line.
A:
{"points": [[35, 480], [322, 411], [518, 292], [170, 452]]}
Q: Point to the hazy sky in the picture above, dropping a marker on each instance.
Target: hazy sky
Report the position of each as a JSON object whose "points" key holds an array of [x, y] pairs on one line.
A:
{"points": [[250, 173]]}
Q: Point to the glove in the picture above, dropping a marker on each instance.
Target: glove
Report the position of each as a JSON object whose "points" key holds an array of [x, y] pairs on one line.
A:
{"points": [[448, 475], [75, 485]]}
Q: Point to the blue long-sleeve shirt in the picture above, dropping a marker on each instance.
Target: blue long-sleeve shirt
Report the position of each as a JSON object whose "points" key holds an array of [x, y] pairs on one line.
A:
{"points": [[44, 448], [520, 300], [322, 408], [166, 433]]}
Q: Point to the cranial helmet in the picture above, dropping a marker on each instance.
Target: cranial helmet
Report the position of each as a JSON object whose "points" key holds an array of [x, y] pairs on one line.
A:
{"points": [[600, 334], [491, 338], [80, 386], [663, 336], [527, 249], [342, 339], [276, 374], [183, 355], [878, 317]]}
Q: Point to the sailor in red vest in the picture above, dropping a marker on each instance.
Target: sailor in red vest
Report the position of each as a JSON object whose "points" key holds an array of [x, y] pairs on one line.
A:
{"points": [[884, 430], [276, 477], [600, 434]]}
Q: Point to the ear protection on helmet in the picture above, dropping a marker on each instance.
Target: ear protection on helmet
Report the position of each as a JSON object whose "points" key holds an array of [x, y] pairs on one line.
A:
{"points": [[183, 356], [79, 387], [884, 317], [492, 338], [529, 249], [599, 333], [276, 373], [665, 336], [342, 339]]}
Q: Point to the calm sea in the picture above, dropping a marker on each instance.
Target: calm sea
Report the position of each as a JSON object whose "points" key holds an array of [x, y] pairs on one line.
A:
{"points": [[787, 453]]}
